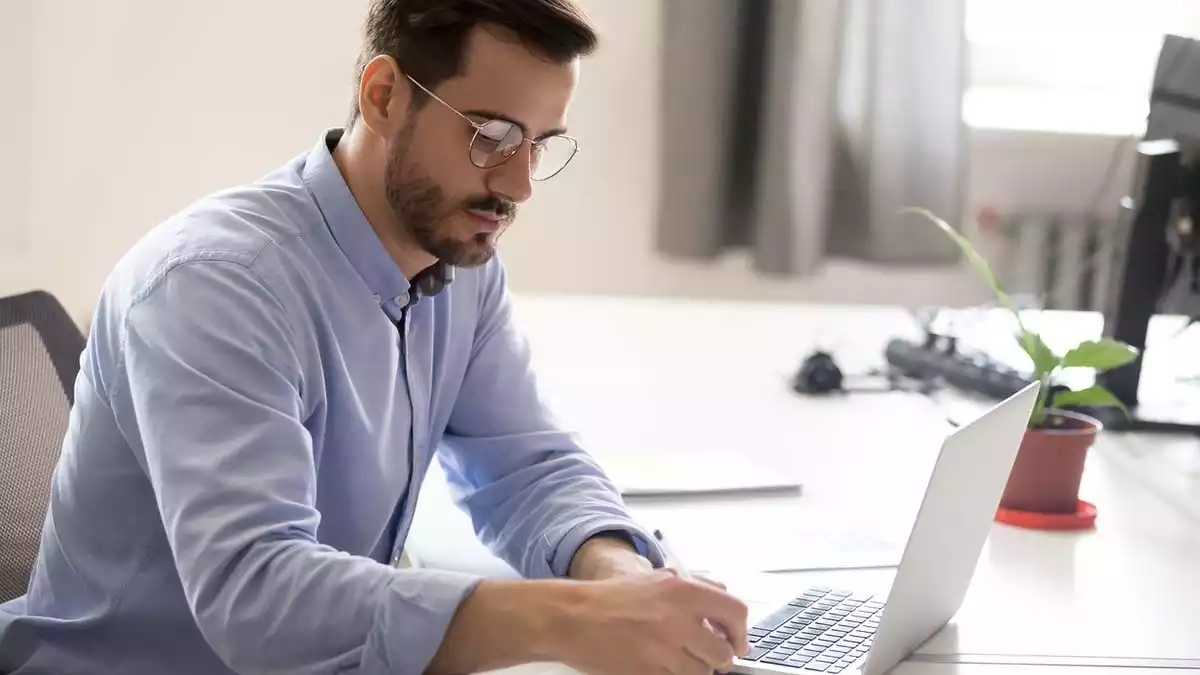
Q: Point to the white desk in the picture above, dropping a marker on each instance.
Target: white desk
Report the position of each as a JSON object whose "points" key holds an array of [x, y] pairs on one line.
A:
{"points": [[672, 377]]}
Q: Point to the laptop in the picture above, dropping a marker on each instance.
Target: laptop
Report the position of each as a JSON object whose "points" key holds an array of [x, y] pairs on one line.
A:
{"points": [[857, 630]]}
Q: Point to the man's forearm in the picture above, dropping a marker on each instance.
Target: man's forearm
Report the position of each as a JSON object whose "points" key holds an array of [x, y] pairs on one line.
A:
{"points": [[504, 623], [607, 555]]}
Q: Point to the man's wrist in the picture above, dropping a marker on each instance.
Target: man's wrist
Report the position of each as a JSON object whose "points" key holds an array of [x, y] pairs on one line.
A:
{"points": [[504, 623], [606, 555]]}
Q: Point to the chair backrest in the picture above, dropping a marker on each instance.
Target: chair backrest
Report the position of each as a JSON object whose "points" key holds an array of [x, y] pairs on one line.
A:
{"points": [[39, 359]]}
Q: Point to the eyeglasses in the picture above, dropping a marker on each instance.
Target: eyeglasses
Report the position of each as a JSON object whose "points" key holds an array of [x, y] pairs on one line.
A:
{"points": [[496, 141]]}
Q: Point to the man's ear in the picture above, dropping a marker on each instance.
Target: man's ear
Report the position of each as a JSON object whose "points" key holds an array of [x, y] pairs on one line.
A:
{"points": [[383, 96]]}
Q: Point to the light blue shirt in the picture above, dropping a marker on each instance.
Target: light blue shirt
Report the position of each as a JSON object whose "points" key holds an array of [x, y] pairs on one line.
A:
{"points": [[258, 403]]}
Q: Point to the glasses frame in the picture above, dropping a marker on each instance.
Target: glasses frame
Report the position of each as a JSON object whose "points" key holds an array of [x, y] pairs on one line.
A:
{"points": [[478, 127]]}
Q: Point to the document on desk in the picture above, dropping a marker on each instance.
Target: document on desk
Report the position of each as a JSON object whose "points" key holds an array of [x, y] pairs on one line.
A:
{"points": [[798, 551], [658, 474], [763, 538]]}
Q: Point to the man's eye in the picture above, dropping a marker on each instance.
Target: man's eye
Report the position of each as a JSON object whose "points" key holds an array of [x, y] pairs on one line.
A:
{"points": [[494, 131]]}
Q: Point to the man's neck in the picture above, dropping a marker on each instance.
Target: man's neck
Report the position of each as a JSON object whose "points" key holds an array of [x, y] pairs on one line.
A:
{"points": [[353, 154]]}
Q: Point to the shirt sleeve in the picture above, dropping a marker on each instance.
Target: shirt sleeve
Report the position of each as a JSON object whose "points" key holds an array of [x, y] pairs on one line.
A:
{"points": [[534, 494], [212, 381]]}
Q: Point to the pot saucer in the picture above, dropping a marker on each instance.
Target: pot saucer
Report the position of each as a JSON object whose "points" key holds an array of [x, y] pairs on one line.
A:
{"points": [[1084, 518]]}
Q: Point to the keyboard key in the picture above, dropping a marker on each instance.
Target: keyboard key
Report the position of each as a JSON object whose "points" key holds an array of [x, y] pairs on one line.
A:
{"points": [[777, 618], [777, 660], [819, 667], [756, 653], [757, 632], [793, 642], [779, 649]]}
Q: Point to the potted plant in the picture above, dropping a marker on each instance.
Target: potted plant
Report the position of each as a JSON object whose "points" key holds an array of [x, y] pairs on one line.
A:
{"points": [[1046, 475]]}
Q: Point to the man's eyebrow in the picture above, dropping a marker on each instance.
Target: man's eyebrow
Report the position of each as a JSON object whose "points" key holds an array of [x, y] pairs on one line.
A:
{"points": [[493, 115]]}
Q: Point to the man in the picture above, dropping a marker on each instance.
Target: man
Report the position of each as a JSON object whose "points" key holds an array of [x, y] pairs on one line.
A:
{"points": [[271, 372]]}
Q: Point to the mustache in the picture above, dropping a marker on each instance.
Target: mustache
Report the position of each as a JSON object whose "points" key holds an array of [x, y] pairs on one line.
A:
{"points": [[504, 208]]}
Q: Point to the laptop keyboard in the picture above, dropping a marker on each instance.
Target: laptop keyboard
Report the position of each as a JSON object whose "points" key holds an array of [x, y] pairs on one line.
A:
{"points": [[824, 630]]}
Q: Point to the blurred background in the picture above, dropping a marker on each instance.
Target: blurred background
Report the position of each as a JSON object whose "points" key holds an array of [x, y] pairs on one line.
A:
{"points": [[119, 112]]}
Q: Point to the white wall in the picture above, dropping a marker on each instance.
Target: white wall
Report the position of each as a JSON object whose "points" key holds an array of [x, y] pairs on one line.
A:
{"points": [[140, 106], [135, 107], [16, 109]]}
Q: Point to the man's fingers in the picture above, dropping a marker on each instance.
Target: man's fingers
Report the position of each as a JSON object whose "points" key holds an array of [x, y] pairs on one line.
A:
{"points": [[688, 663], [711, 648], [726, 612]]}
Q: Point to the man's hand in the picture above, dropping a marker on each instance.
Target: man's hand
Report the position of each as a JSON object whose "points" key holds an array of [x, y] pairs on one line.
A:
{"points": [[605, 557], [654, 622], [647, 622], [618, 616]]}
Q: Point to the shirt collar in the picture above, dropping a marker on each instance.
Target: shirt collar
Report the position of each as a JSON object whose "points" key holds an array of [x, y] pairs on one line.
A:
{"points": [[358, 241]]}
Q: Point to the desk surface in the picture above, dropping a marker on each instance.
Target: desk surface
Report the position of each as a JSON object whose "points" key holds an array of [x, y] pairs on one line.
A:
{"points": [[670, 377]]}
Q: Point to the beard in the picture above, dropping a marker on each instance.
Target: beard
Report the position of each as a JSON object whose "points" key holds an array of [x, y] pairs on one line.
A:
{"points": [[427, 216]]}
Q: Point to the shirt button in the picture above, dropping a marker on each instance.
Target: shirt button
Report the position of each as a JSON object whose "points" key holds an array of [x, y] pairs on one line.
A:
{"points": [[402, 299], [378, 300]]}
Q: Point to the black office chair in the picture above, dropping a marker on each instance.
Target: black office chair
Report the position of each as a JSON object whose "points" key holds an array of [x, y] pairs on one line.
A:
{"points": [[39, 359]]}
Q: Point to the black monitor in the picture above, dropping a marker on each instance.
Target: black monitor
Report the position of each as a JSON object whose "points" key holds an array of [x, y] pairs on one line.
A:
{"points": [[1160, 279]]}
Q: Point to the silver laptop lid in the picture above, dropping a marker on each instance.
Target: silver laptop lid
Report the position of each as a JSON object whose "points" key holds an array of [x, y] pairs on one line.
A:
{"points": [[951, 527]]}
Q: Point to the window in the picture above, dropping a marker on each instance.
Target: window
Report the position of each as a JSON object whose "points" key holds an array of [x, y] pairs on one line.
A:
{"points": [[1081, 66]]}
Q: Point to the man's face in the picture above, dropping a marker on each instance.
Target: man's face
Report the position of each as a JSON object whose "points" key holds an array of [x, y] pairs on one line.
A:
{"points": [[450, 208]]}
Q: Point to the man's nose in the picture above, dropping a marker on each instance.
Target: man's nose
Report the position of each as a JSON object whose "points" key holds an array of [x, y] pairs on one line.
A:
{"points": [[512, 178]]}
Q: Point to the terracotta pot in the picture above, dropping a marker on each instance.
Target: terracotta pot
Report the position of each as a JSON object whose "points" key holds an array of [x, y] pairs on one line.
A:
{"points": [[1045, 477]]}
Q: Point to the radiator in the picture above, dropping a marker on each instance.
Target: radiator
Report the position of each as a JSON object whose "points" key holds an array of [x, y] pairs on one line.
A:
{"points": [[1061, 261]]}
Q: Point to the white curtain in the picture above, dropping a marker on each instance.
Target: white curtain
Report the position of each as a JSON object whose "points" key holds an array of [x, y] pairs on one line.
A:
{"points": [[799, 128]]}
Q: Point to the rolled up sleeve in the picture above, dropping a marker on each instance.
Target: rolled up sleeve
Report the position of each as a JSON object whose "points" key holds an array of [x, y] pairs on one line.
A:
{"points": [[212, 379], [534, 494]]}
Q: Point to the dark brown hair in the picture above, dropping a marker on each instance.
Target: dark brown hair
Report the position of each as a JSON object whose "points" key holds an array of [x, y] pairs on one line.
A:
{"points": [[427, 37]]}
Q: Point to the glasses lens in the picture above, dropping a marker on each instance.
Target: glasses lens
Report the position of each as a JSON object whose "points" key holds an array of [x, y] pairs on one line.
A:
{"points": [[550, 155], [495, 142]]}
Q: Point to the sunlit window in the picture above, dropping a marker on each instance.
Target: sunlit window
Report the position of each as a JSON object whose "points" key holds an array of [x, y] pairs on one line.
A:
{"points": [[1068, 65]]}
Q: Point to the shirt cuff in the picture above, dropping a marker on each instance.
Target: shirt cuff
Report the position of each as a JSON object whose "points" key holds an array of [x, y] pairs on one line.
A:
{"points": [[414, 617], [568, 546]]}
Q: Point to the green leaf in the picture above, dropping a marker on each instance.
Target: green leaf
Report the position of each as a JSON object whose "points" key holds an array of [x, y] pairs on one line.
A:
{"points": [[1094, 397], [977, 261], [1101, 355], [1044, 360]]}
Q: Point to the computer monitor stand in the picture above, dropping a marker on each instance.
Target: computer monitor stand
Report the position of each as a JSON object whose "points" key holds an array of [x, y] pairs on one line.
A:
{"points": [[1157, 400]]}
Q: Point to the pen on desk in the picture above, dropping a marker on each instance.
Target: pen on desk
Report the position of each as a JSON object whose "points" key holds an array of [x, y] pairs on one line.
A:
{"points": [[672, 559]]}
